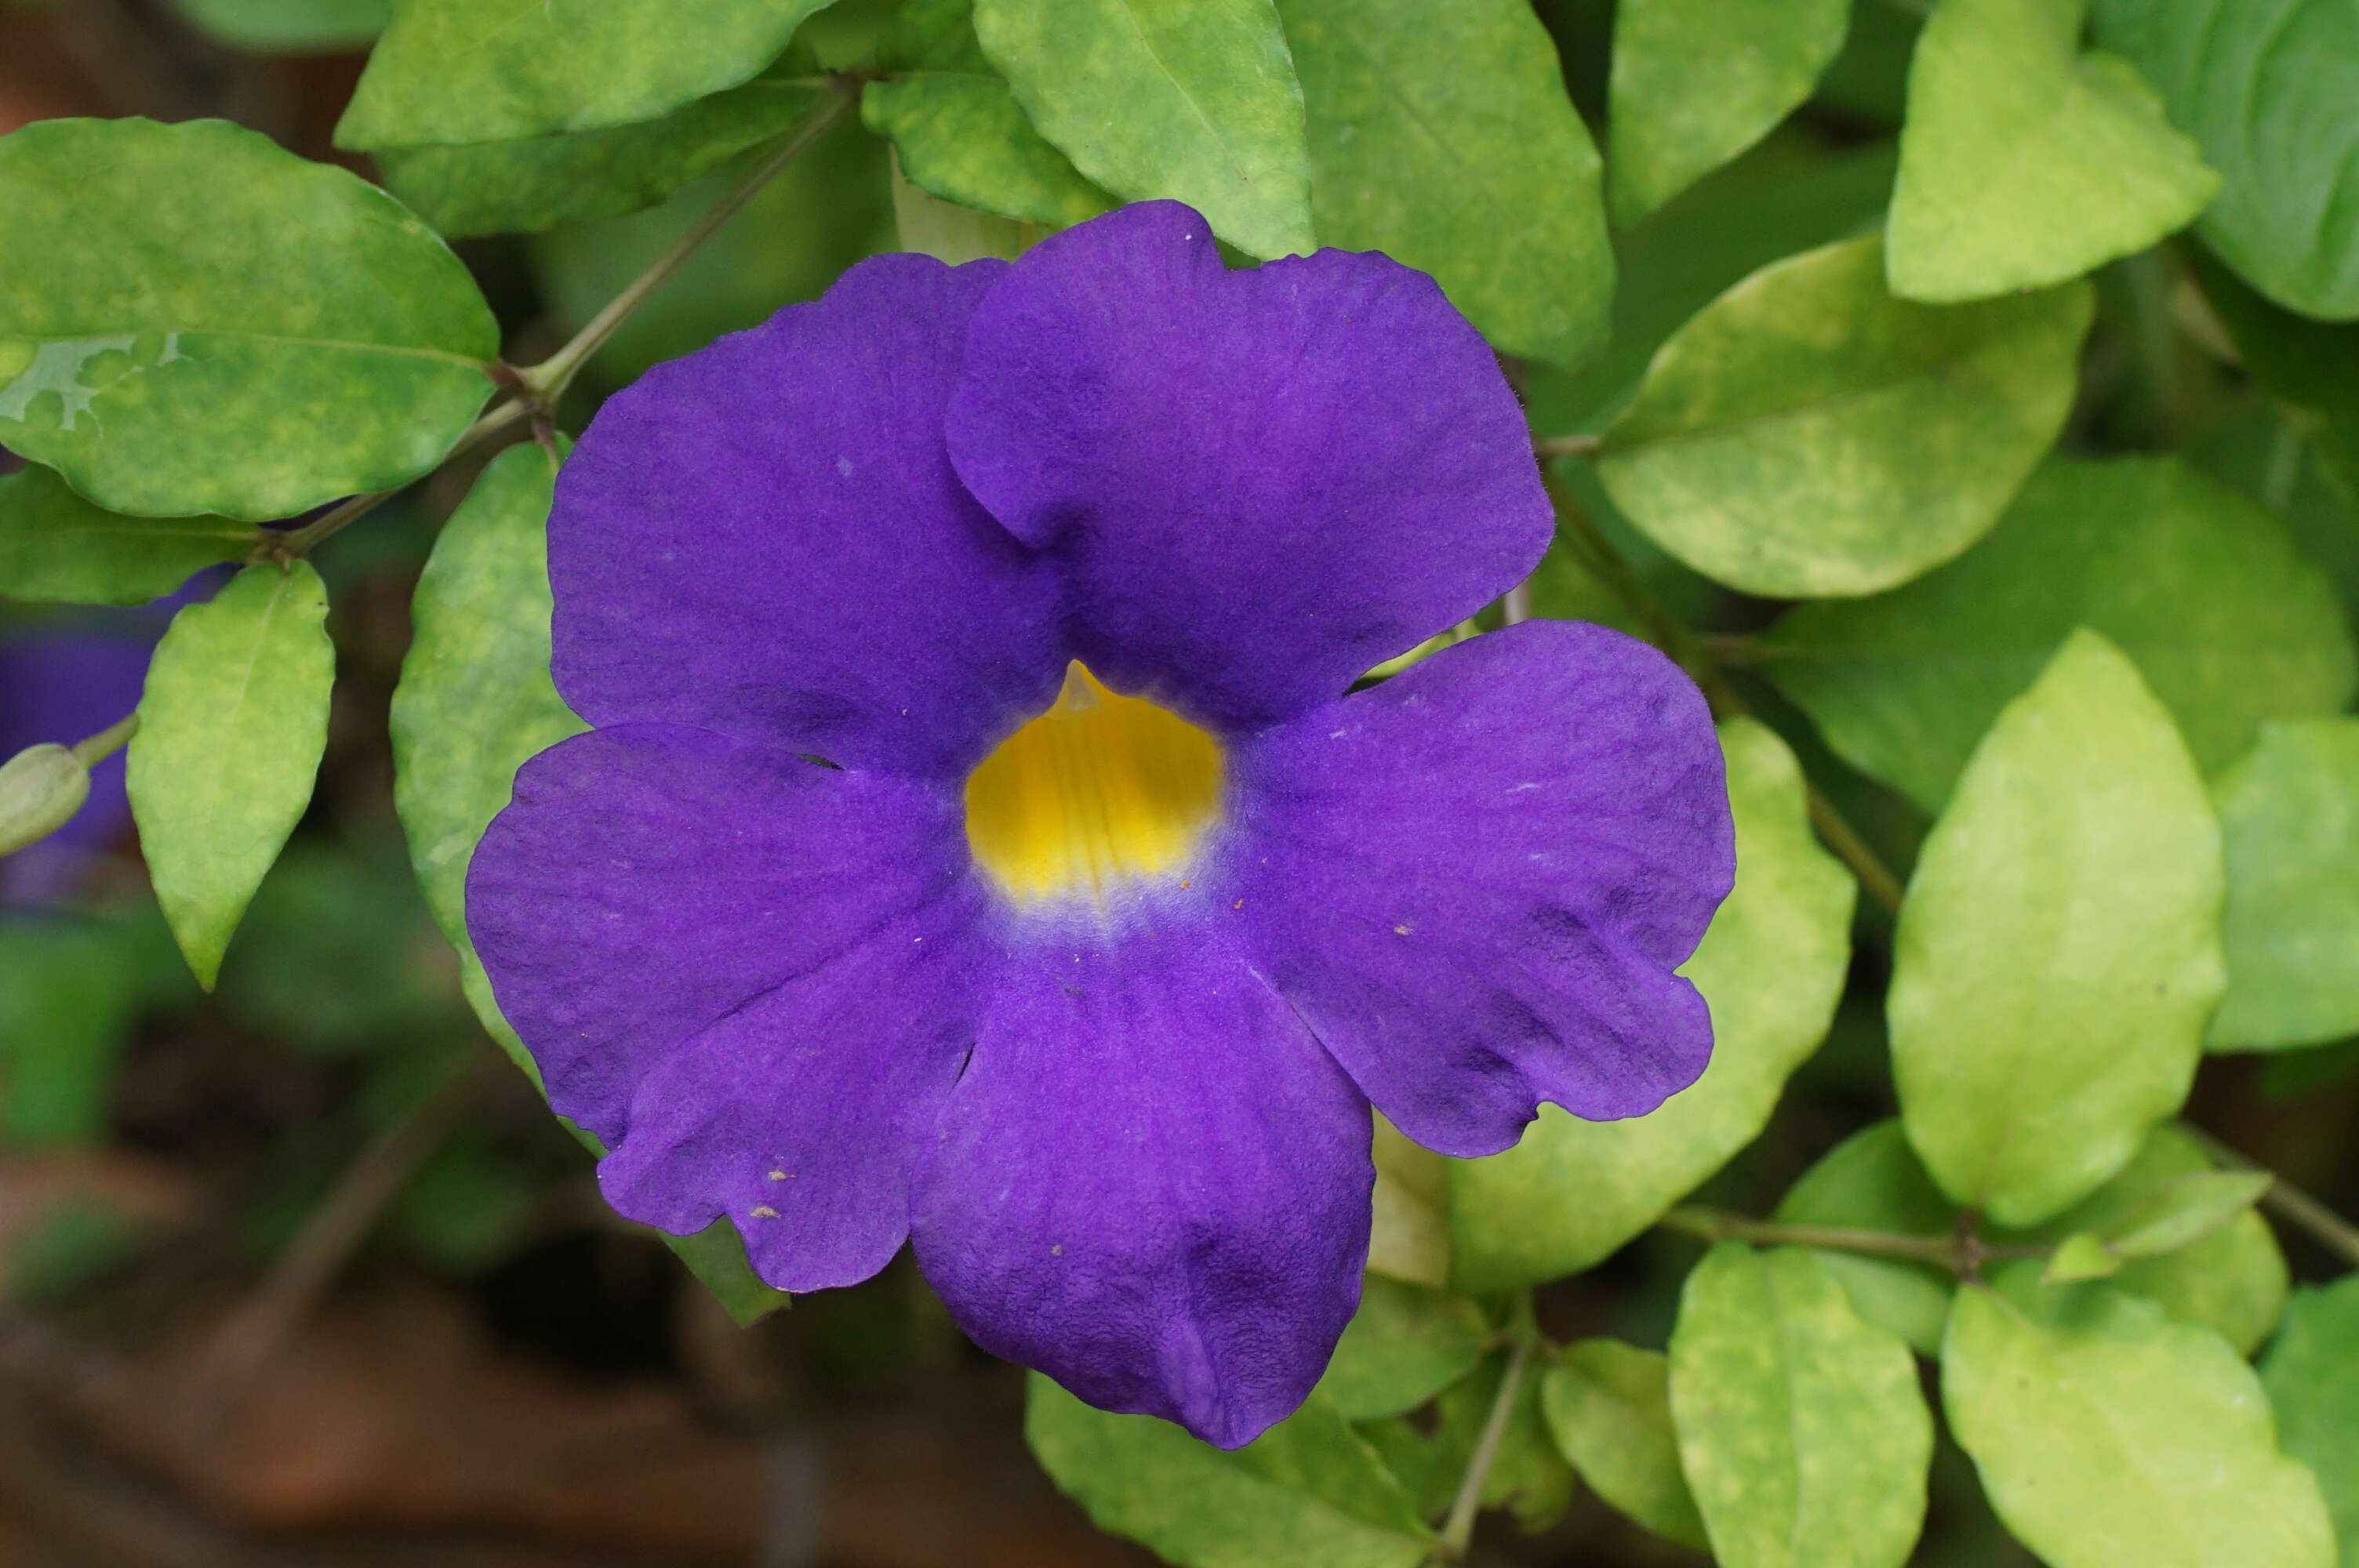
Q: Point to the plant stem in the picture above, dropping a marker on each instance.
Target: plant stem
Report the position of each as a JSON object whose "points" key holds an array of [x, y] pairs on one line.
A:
{"points": [[1958, 1253], [1458, 1528], [549, 379], [301, 542], [108, 741], [1547, 446], [2292, 1204]]}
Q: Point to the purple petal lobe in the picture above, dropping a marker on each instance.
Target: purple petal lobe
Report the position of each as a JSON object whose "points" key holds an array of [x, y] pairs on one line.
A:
{"points": [[1474, 880], [730, 963], [765, 539], [1152, 1183], [1262, 482]]}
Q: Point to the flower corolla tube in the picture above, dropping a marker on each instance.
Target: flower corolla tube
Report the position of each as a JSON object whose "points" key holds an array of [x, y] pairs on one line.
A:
{"points": [[974, 844]]}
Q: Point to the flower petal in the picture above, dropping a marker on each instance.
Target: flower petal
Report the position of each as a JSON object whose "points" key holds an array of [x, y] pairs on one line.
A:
{"points": [[765, 539], [1152, 1184], [728, 962], [1475, 881], [1262, 482]]}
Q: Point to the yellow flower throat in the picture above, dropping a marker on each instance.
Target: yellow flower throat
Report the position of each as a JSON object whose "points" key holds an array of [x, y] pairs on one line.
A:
{"points": [[1099, 791]]}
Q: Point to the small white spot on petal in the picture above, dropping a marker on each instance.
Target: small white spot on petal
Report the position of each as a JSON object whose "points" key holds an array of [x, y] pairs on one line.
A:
{"points": [[843, 467], [778, 1175], [763, 1211]]}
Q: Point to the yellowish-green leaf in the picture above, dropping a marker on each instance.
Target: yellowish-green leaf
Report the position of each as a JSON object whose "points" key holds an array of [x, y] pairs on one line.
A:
{"points": [[231, 726], [1695, 83], [1771, 967], [1192, 100], [1442, 136], [1808, 436], [165, 359], [2059, 952], [2025, 162], [2108, 1434], [1801, 1430], [55, 546], [2290, 821], [2312, 1377], [1609, 1406], [1404, 1345], [1409, 1238]]}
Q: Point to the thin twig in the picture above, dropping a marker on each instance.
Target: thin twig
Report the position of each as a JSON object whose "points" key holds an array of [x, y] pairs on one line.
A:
{"points": [[1958, 1253], [1458, 1528], [2290, 1204], [1547, 446], [549, 378], [301, 542], [1854, 852], [108, 741], [261, 1322]]}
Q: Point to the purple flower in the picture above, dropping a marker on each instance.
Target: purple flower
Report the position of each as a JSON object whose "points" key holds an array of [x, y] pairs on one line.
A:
{"points": [[865, 913]]}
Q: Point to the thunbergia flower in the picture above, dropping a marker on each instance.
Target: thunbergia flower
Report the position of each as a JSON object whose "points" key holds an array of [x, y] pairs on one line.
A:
{"points": [[975, 844]]}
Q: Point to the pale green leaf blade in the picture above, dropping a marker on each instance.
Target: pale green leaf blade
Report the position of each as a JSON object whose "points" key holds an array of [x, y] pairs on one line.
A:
{"points": [[496, 70], [231, 726], [2078, 1256], [2059, 952], [1441, 134], [2024, 162], [1807, 435], [1874, 1181], [290, 27], [521, 187], [1409, 1235], [2312, 1376], [1609, 1406], [2225, 617], [474, 703], [2289, 823], [1404, 1345], [928, 225], [2189, 1210], [2109, 1434], [1695, 83], [957, 129], [1192, 100], [150, 353], [55, 546], [2265, 88], [1801, 1430], [1148, 1480], [1772, 969]]}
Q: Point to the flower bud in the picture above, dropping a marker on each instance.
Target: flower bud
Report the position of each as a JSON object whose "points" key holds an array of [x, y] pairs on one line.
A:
{"points": [[40, 789]]}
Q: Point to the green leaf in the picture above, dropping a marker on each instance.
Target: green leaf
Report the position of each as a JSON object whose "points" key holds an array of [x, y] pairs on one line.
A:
{"points": [[1409, 1236], [1609, 1406], [2312, 368], [2107, 1435], [2312, 1377], [2059, 952], [153, 351], [55, 546], [955, 125], [521, 187], [2266, 89], [292, 26], [1195, 100], [1441, 134], [1874, 1181], [1404, 1345], [496, 70], [475, 702], [2189, 1210], [1316, 1494], [1695, 83], [2080, 1255], [2023, 162], [825, 211], [1528, 1477], [2226, 620], [1807, 434], [931, 226], [2290, 821], [41, 788], [1772, 967], [232, 726], [1800, 1428]]}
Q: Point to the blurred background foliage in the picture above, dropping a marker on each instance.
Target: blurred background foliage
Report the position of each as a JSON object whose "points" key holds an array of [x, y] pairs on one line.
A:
{"points": [[301, 1272]]}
